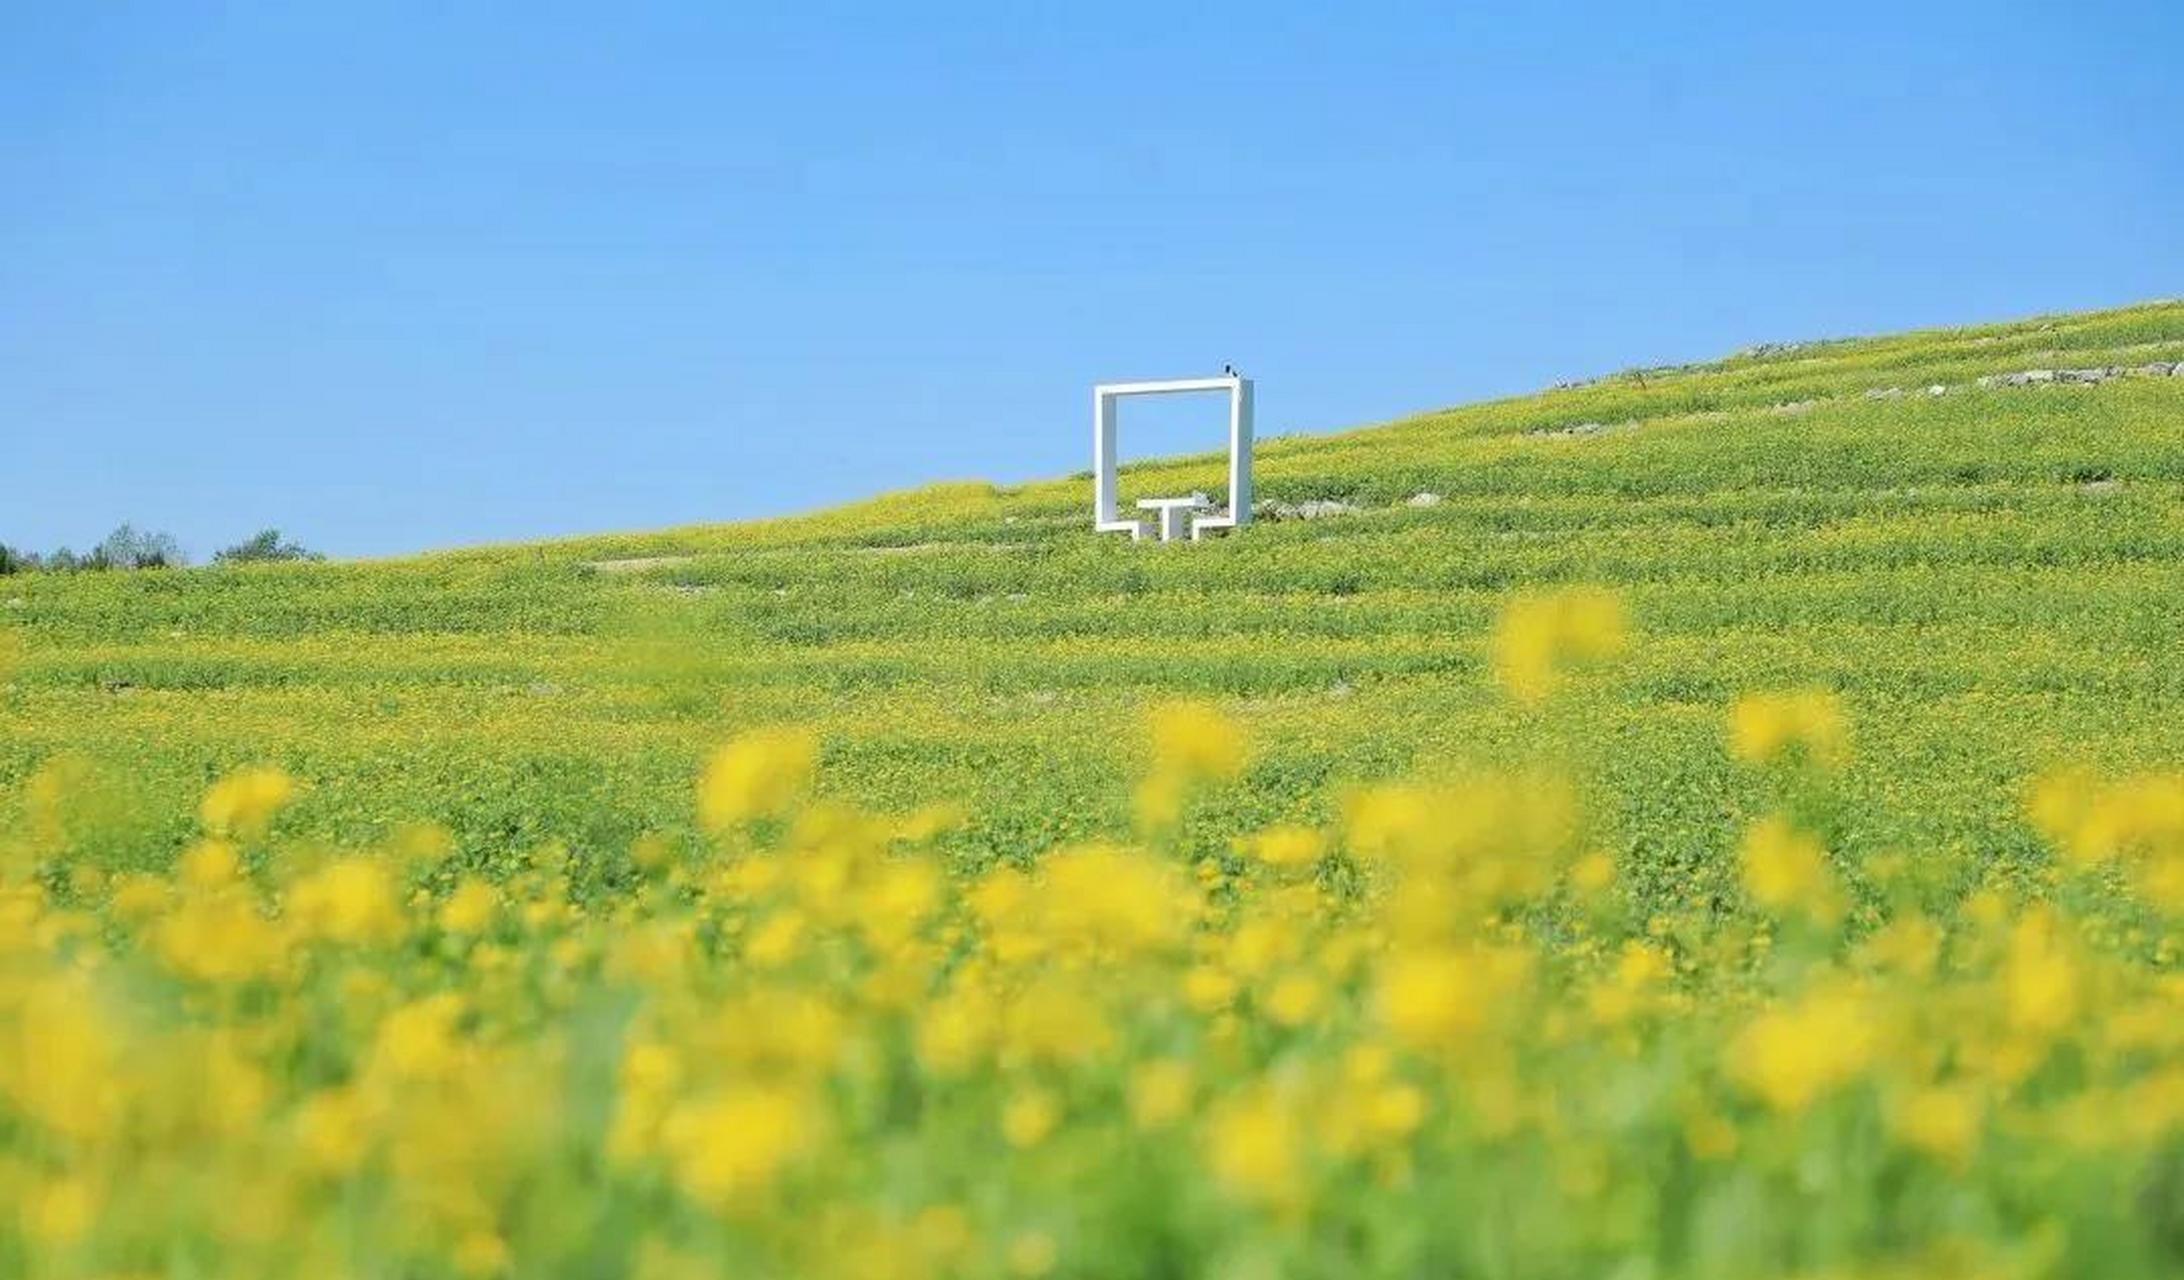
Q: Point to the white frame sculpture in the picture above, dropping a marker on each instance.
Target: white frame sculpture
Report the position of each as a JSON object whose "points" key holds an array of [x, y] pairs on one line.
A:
{"points": [[1171, 511]]}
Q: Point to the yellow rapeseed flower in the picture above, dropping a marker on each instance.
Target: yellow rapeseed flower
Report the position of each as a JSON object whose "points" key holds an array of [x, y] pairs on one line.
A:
{"points": [[470, 908], [1029, 1116], [1786, 870], [1540, 637], [1194, 741], [1941, 1121], [1764, 727], [732, 1145], [61, 1211], [1791, 1056], [349, 900], [1295, 999], [1255, 1148], [209, 864], [1113, 899], [243, 803], [761, 774], [1287, 847], [221, 939], [1160, 1093], [333, 1131], [1438, 999], [2041, 982]]}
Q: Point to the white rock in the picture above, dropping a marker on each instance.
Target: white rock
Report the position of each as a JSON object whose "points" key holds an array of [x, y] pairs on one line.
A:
{"points": [[1309, 509], [1424, 500]]}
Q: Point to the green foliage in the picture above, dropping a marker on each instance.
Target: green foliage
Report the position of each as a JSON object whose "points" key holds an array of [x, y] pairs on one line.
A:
{"points": [[265, 545], [1986, 578]]}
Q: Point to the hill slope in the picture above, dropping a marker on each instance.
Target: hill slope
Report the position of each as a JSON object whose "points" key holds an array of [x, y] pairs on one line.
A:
{"points": [[1380, 965], [1987, 574]]}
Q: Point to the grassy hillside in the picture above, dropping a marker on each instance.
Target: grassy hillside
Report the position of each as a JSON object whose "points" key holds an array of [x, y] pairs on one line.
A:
{"points": [[1642, 833], [1987, 576]]}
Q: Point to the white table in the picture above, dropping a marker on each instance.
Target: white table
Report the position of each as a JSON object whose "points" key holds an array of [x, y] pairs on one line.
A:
{"points": [[1173, 514]]}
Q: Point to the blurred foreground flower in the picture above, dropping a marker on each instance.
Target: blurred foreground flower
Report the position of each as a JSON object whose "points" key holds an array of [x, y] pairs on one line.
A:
{"points": [[759, 775], [243, 803], [1541, 637], [1764, 727]]}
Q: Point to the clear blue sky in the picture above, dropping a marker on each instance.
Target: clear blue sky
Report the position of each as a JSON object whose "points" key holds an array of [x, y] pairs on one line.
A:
{"points": [[414, 275]]}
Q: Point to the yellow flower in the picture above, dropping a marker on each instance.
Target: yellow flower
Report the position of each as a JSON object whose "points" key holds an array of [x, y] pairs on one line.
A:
{"points": [[243, 803], [2094, 823], [1786, 870], [1056, 1020], [759, 775], [1208, 989], [778, 941], [894, 902], [138, 899], [1944, 1122], [1592, 875], [1766, 726], [1029, 1117], [60, 1212], [1295, 999], [956, 1032], [422, 844], [1441, 998], [220, 939], [1160, 1093], [733, 1145], [470, 908], [1113, 899], [420, 1040], [209, 864], [1194, 741], [1255, 1149], [1628, 992], [2040, 979], [1287, 847], [332, 1131], [1792, 1056], [61, 1059], [349, 900], [1540, 637]]}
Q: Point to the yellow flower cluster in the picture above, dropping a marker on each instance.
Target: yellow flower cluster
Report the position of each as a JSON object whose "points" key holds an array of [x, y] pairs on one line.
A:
{"points": [[1764, 727], [1542, 637], [815, 1040], [2138, 822]]}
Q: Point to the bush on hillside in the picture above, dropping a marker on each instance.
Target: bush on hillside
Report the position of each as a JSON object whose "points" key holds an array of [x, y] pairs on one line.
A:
{"points": [[265, 545], [128, 547]]}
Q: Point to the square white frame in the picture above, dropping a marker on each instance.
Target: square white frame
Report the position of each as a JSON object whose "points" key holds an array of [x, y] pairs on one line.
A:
{"points": [[1106, 518]]}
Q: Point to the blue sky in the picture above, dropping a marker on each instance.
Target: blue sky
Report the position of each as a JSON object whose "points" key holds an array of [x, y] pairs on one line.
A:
{"points": [[396, 276]]}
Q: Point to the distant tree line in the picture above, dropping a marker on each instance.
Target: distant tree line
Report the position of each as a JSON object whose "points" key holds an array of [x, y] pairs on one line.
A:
{"points": [[129, 547]]}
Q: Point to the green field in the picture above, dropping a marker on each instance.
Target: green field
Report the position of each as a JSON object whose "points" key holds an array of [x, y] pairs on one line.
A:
{"points": [[1989, 579], [1941, 561]]}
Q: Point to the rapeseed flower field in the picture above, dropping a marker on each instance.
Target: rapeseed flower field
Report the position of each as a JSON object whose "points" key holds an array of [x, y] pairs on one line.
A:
{"points": [[1741, 838]]}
